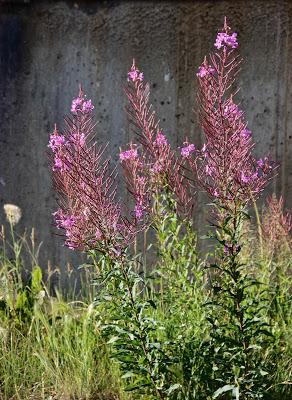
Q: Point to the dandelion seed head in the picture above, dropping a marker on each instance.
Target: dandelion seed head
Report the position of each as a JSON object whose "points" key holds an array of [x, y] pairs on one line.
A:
{"points": [[13, 213]]}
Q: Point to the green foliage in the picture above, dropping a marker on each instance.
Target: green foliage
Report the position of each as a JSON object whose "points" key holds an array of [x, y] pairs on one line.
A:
{"points": [[135, 336], [151, 321], [244, 346], [184, 328], [49, 348], [241, 333], [19, 297], [181, 293]]}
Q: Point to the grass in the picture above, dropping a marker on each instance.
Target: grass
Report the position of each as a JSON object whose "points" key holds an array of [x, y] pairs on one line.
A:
{"points": [[59, 357], [51, 345]]}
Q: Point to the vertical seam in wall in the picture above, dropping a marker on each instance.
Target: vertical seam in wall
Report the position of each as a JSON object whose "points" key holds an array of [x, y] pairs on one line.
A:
{"points": [[276, 108], [286, 80], [181, 73]]}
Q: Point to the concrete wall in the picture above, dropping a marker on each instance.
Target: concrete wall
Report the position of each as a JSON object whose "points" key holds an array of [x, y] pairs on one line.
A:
{"points": [[48, 47]]}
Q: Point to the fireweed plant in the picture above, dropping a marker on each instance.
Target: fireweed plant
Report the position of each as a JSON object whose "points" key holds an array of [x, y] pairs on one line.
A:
{"points": [[157, 169], [169, 196], [154, 321], [92, 220], [232, 177]]}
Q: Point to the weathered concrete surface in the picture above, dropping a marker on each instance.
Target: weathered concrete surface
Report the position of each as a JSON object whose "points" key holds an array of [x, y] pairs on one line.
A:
{"points": [[48, 48]]}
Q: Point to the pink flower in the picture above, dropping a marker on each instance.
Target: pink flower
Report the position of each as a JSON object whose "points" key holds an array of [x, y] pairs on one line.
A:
{"points": [[225, 40], [76, 105], [160, 139], [134, 74], [187, 150], [71, 245], [205, 70], [63, 221], [58, 164], [131, 154], [246, 133], [244, 178], [232, 110], [68, 222], [87, 107], [61, 165], [248, 178], [56, 141], [58, 216], [81, 105], [139, 212]]}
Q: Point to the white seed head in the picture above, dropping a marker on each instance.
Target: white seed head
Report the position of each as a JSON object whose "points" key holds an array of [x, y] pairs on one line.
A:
{"points": [[13, 213]]}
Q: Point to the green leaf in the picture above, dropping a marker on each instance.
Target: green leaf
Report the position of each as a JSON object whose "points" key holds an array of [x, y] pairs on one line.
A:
{"points": [[173, 388], [128, 374], [263, 373], [224, 389], [36, 280], [113, 339], [235, 393]]}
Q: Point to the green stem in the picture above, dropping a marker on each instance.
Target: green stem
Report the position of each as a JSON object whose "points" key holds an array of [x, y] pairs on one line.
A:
{"points": [[260, 232], [140, 330]]}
